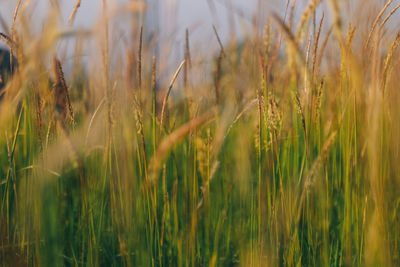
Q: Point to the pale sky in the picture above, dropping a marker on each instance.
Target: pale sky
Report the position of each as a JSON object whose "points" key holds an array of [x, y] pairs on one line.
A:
{"points": [[174, 15]]}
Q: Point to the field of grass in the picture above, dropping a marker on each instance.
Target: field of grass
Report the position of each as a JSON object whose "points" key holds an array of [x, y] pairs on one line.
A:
{"points": [[284, 150]]}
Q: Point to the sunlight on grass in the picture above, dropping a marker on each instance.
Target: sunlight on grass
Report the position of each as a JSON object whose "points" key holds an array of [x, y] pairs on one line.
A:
{"points": [[278, 150]]}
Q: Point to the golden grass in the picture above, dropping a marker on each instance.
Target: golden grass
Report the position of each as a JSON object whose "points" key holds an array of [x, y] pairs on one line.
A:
{"points": [[280, 149]]}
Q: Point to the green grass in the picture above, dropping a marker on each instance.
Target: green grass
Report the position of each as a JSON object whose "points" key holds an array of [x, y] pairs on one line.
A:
{"points": [[296, 163]]}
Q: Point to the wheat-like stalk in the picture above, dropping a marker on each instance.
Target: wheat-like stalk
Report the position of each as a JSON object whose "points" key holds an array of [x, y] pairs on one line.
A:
{"points": [[388, 60], [74, 11], [290, 37], [322, 51], [61, 90], [168, 92], [139, 63], [168, 142], [187, 59], [316, 43], [219, 41], [154, 102], [291, 14], [317, 102], [376, 21], [39, 119], [274, 114], [217, 77], [306, 14], [387, 18], [8, 41]]}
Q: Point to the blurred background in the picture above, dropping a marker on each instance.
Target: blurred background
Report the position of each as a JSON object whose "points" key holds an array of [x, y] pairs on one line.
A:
{"points": [[172, 15], [281, 176], [167, 18], [165, 23]]}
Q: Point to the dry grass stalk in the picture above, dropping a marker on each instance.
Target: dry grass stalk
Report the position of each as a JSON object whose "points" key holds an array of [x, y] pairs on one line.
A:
{"points": [[388, 17], [308, 51], [291, 38], [168, 92], [219, 41], [4, 25], [316, 42], [269, 56], [13, 47], [10, 157], [153, 74], [15, 17], [246, 108], [74, 10], [267, 39], [262, 66], [130, 68], [139, 56], [306, 70], [140, 126], [322, 52], [309, 10], [274, 114], [286, 9], [350, 36], [317, 102], [39, 118], [291, 15], [13, 30], [154, 101], [92, 120], [314, 23], [187, 47], [300, 111], [8, 41], [105, 54], [62, 96], [217, 77], [171, 140], [138, 113], [187, 59], [376, 23], [138, 102], [388, 60]]}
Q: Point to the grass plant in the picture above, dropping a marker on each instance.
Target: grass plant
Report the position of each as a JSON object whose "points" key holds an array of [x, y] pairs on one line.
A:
{"points": [[285, 154]]}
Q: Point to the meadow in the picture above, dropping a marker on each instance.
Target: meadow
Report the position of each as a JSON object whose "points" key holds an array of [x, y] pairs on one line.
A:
{"points": [[282, 150]]}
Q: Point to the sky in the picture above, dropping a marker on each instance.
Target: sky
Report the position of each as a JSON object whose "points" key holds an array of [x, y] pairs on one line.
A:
{"points": [[174, 15]]}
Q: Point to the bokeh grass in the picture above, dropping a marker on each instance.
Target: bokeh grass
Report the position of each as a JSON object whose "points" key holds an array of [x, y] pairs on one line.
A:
{"points": [[286, 154]]}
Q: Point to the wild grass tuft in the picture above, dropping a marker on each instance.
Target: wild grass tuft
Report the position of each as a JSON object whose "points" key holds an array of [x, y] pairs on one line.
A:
{"points": [[280, 148]]}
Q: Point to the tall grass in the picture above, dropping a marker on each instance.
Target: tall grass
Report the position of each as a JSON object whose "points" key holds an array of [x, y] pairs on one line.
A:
{"points": [[285, 155]]}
